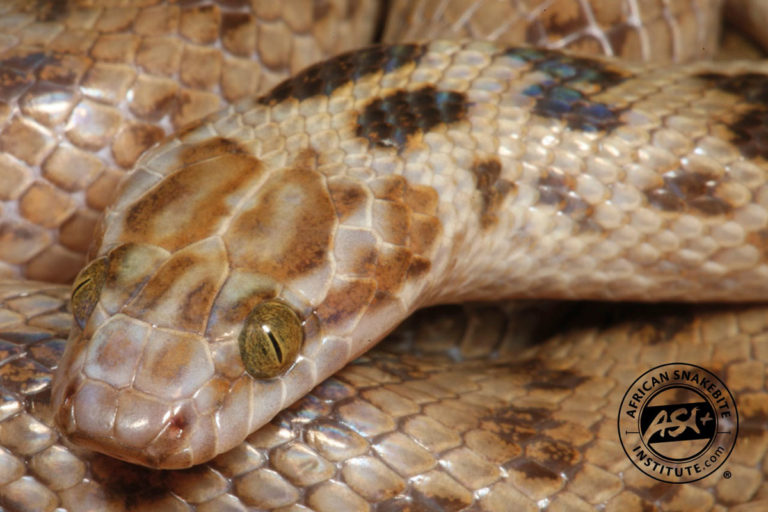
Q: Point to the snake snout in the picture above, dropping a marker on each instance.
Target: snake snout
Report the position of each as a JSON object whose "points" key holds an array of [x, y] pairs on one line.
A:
{"points": [[142, 394]]}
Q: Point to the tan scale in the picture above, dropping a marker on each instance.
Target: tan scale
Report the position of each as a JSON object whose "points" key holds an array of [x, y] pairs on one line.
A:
{"points": [[395, 228]]}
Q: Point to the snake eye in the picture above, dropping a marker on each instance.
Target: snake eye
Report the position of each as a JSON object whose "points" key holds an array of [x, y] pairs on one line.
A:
{"points": [[270, 340], [87, 289]]}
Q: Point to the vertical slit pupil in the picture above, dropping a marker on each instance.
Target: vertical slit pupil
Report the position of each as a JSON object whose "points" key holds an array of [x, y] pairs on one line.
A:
{"points": [[275, 346], [80, 286]]}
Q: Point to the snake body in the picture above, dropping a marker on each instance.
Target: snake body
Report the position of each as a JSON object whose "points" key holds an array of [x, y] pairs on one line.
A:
{"points": [[385, 180], [388, 179]]}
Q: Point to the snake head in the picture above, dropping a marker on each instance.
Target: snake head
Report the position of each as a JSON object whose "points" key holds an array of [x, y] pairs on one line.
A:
{"points": [[167, 352], [222, 290]]}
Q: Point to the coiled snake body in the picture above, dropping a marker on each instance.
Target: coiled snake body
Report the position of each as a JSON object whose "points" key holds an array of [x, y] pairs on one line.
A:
{"points": [[254, 253]]}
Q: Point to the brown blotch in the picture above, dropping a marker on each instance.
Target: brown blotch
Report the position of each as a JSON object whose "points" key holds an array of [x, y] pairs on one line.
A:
{"points": [[285, 231], [383, 300], [24, 376], [749, 126], [348, 197], [345, 301], [392, 268], [493, 189], [325, 77], [556, 455], [195, 199], [688, 191], [130, 266], [661, 328], [534, 471], [241, 308], [181, 292], [558, 189], [391, 221], [216, 146], [234, 20], [133, 140], [50, 10], [162, 283], [422, 199], [418, 267], [198, 303], [423, 233], [389, 188], [563, 19], [393, 120], [63, 69], [556, 379], [238, 32], [437, 497], [12, 83]]}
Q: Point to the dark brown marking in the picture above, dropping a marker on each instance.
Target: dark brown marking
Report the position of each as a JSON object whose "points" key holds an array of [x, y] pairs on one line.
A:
{"points": [[180, 293], [12, 83], [63, 69], [418, 267], [563, 18], [133, 140], [437, 497], [383, 300], [535, 471], [51, 10], [345, 301], [392, 120], [348, 197], [556, 455], [18, 69], [216, 146], [748, 121], [198, 303], [391, 221], [422, 199], [688, 191], [390, 188], [392, 268], [423, 233], [286, 231], [235, 20], [556, 379], [162, 282], [558, 189], [324, 78], [239, 32], [493, 189], [195, 196]]}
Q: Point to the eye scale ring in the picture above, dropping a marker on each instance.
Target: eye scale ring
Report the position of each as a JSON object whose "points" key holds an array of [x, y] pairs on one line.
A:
{"points": [[86, 290], [270, 340]]}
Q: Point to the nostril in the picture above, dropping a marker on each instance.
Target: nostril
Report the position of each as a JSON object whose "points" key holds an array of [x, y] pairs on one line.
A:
{"points": [[178, 424]]}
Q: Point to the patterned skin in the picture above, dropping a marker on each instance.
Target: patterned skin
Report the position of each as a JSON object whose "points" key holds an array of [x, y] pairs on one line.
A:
{"points": [[396, 430], [392, 178]]}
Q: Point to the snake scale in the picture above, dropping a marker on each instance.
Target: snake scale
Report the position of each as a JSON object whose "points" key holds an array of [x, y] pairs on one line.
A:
{"points": [[254, 252]]}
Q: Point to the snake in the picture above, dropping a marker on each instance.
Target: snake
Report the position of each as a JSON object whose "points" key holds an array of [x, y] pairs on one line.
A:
{"points": [[213, 353]]}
